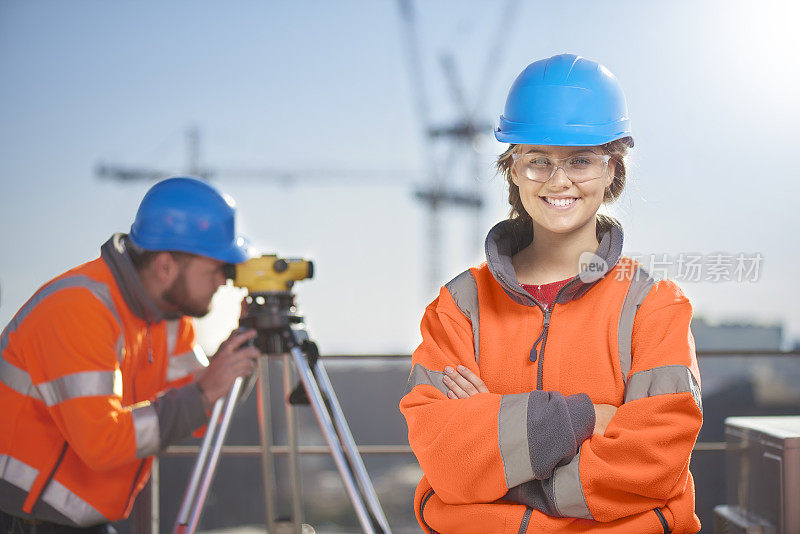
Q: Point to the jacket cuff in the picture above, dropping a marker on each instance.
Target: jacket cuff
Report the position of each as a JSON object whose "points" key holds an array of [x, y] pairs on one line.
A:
{"points": [[180, 411], [581, 413], [557, 425]]}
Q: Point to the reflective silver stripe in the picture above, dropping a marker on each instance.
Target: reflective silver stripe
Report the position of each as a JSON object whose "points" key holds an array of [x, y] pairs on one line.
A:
{"points": [[182, 365], [172, 334], [568, 491], [662, 381], [637, 291], [17, 472], [512, 435], [420, 375], [464, 290], [145, 424], [18, 379], [83, 384], [98, 289], [55, 494], [71, 506]]}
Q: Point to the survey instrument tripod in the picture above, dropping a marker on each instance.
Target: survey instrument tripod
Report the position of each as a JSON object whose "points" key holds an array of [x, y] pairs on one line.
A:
{"points": [[282, 333]]}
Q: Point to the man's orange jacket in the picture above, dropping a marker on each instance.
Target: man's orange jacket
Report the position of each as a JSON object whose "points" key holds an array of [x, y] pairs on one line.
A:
{"points": [[84, 365], [522, 458]]}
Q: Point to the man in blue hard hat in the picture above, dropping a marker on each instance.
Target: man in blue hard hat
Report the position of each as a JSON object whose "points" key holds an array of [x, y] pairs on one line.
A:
{"points": [[99, 370]]}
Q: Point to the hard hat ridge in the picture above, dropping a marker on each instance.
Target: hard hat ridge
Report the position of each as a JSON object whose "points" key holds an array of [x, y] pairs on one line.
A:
{"points": [[189, 215], [559, 67]]}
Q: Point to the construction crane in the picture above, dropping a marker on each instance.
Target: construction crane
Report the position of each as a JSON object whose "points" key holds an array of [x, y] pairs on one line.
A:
{"points": [[131, 174], [459, 136], [456, 139], [123, 173]]}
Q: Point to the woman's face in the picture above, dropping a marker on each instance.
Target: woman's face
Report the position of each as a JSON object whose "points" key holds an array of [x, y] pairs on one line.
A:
{"points": [[559, 205]]}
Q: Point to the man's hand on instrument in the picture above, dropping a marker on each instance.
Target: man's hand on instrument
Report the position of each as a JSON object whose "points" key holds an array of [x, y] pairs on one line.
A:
{"points": [[463, 383], [233, 359]]}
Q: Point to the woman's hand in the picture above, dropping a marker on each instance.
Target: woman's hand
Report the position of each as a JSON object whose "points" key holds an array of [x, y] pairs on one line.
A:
{"points": [[602, 416], [463, 383]]}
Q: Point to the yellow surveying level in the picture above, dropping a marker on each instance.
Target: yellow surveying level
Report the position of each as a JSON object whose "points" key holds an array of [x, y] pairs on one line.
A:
{"points": [[270, 273]]}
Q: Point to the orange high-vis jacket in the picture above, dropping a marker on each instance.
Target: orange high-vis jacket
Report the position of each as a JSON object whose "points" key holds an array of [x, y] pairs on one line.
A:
{"points": [[93, 381], [523, 457]]}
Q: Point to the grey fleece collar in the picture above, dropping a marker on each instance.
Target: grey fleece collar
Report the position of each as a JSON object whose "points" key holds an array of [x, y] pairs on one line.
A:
{"points": [[510, 236], [115, 254]]}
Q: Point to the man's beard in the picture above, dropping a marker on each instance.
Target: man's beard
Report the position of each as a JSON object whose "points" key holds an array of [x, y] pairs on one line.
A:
{"points": [[178, 295]]}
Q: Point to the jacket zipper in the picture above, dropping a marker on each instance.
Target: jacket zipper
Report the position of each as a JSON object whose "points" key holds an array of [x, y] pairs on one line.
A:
{"points": [[422, 509], [135, 480], [663, 520], [538, 353], [50, 477], [534, 355], [526, 518]]}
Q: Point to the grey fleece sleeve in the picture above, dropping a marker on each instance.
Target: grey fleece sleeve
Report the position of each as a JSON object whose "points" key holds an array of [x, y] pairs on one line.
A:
{"points": [[180, 412], [540, 430], [557, 425]]}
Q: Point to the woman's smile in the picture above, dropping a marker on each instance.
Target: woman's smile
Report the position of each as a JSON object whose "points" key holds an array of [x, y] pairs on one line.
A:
{"points": [[560, 203]]}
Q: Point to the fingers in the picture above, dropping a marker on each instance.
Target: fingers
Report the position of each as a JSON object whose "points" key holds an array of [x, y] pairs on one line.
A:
{"points": [[608, 410], [603, 415], [237, 365], [473, 379], [242, 337], [455, 391], [243, 368], [234, 357], [231, 361], [462, 384], [243, 354], [457, 384], [236, 339], [250, 354]]}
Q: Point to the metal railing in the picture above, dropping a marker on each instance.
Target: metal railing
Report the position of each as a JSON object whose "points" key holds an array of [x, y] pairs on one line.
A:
{"points": [[254, 450], [149, 524]]}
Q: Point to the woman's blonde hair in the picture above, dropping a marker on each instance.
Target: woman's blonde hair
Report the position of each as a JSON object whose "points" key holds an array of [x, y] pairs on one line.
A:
{"points": [[618, 150]]}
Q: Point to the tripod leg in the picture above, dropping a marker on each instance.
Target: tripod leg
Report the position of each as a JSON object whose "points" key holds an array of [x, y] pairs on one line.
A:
{"points": [[324, 420], [350, 448], [211, 466], [294, 467], [265, 426], [200, 463]]}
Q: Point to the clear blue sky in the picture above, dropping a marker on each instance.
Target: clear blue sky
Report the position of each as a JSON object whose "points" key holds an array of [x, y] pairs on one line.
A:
{"points": [[712, 90]]}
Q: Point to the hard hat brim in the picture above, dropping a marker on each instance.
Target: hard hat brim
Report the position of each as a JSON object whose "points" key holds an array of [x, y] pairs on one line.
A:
{"points": [[239, 251], [566, 135]]}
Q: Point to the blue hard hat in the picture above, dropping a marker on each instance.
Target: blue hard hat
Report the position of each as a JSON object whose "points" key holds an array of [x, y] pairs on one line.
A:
{"points": [[565, 100], [189, 215]]}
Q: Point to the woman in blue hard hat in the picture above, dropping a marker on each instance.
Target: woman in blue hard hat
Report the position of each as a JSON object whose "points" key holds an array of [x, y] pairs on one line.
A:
{"points": [[556, 387]]}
